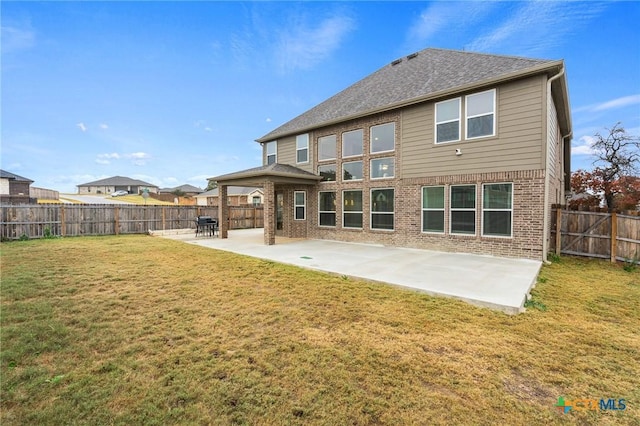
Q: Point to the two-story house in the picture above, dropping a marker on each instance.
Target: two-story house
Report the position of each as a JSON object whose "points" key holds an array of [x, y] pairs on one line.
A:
{"points": [[441, 150]]}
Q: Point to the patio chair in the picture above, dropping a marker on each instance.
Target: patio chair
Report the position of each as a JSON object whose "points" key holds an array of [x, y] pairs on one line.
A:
{"points": [[206, 224]]}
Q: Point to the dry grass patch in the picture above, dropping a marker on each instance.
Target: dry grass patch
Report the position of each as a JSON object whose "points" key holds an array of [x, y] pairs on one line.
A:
{"points": [[136, 329]]}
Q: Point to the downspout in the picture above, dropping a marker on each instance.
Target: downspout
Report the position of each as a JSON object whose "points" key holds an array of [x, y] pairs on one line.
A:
{"points": [[546, 210]]}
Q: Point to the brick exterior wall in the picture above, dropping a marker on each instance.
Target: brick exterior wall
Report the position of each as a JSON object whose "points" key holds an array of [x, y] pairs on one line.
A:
{"points": [[528, 200]]}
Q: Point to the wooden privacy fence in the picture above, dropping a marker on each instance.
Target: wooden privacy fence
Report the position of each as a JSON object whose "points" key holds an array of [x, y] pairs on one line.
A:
{"points": [[614, 236], [36, 221]]}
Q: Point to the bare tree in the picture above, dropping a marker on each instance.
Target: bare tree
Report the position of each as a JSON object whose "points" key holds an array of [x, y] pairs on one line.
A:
{"points": [[617, 155]]}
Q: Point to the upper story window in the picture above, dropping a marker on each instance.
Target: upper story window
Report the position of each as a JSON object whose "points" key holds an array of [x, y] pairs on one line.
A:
{"points": [[271, 148], [327, 148], [352, 170], [352, 143], [448, 121], [480, 113], [383, 138], [302, 148]]}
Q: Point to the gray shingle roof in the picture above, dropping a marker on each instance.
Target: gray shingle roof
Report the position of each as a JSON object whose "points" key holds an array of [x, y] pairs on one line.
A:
{"points": [[8, 175], [275, 169], [426, 74], [118, 181]]}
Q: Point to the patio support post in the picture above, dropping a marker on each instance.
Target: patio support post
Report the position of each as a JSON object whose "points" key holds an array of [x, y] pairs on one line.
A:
{"points": [[223, 212], [269, 213]]}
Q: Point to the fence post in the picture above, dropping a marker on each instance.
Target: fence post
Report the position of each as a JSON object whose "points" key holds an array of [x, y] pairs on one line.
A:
{"points": [[558, 230], [63, 223], [117, 220], [163, 221], [614, 236]]}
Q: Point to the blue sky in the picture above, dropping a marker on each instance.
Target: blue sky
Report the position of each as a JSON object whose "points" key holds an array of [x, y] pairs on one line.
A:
{"points": [[176, 92]]}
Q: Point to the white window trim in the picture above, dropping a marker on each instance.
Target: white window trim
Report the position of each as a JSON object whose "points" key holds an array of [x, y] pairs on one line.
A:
{"points": [[326, 211], [303, 205], [362, 144], [510, 236], [351, 180], [435, 119], [467, 117], [443, 210], [474, 209], [352, 211], [306, 148], [335, 148], [371, 138], [383, 177], [371, 212], [275, 154]]}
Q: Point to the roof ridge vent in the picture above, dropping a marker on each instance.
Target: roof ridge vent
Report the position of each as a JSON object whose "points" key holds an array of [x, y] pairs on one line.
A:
{"points": [[396, 62], [413, 55]]}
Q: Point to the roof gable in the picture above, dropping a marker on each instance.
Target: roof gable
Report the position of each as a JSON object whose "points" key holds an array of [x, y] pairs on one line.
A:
{"points": [[420, 76]]}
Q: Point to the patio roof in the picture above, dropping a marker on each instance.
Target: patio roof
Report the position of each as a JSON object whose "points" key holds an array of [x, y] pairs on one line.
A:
{"points": [[277, 173]]}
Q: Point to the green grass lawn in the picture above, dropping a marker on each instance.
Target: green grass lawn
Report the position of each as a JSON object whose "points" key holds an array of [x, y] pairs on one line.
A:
{"points": [[144, 330]]}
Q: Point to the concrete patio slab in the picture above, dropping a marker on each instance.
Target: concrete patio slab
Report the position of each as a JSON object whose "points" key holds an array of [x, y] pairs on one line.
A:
{"points": [[493, 282]]}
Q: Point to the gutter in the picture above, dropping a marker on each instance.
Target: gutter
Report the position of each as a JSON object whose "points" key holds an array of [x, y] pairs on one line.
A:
{"points": [[546, 226]]}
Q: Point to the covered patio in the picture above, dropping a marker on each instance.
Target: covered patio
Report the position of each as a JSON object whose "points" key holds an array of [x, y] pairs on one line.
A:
{"points": [[278, 182]]}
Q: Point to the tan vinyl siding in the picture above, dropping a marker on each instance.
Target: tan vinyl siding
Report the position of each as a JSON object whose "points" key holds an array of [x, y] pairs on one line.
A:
{"points": [[286, 153], [517, 145], [552, 137]]}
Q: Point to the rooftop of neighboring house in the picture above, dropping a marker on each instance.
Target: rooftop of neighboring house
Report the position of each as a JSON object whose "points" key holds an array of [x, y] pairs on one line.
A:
{"points": [[231, 190], [422, 76], [118, 181], [187, 189], [12, 176]]}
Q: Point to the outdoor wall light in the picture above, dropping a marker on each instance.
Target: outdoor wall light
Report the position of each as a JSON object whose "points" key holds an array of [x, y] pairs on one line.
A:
{"points": [[458, 152]]}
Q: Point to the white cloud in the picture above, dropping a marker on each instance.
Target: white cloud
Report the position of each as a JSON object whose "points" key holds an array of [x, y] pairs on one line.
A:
{"points": [[104, 126], [618, 103], [446, 16], [137, 158], [535, 26], [584, 146], [302, 45], [15, 38], [82, 127], [268, 120]]}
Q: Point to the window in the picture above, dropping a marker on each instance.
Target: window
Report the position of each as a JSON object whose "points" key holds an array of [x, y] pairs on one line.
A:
{"points": [[448, 121], [497, 209], [383, 138], [382, 211], [302, 148], [463, 209], [299, 205], [433, 209], [328, 172], [256, 200], [327, 148], [382, 168], [352, 143], [352, 211], [271, 152], [480, 113], [352, 170], [327, 208]]}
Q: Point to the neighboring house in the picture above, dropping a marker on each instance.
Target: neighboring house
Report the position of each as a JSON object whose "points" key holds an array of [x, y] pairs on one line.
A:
{"points": [[442, 150], [236, 196], [15, 189], [116, 183], [188, 190]]}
